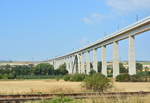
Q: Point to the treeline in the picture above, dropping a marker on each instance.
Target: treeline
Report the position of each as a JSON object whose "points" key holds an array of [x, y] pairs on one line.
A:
{"points": [[139, 77], [43, 70]]}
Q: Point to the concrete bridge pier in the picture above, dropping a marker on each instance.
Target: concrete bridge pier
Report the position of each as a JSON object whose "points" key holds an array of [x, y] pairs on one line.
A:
{"points": [[79, 63], [95, 61], [104, 62], [67, 64], [115, 59], [88, 68], [82, 63], [55, 64], [74, 65], [132, 61], [71, 65]]}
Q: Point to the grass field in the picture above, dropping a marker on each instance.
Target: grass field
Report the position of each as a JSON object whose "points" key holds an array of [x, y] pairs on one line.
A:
{"points": [[53, 86], [129, 99]]}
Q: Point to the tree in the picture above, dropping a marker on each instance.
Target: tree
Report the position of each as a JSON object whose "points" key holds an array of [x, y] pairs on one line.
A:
{"points": [[139, 67], [122, 68], [61, 70], [21, 70], [44, 69]]}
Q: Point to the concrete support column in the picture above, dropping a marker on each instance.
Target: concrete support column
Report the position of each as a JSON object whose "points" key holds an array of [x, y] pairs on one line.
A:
{"points": [[68, 65], [88, 69], [115, 59], [104, 62], [68, 62], [132, 61], [54, 64], [71, 65], [95, 61], [79, 63], [82, 64]]}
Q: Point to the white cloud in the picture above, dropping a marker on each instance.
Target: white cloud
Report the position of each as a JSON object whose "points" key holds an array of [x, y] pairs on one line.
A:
{"points": [[120, 6], [128, 5], [87, 20], [93, 18]]}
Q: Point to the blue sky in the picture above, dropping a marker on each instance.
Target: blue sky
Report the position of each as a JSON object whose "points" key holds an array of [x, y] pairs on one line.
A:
{"points": [[42, 29]]}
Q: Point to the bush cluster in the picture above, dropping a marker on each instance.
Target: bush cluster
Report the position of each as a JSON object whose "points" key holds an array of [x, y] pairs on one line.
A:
{"points": [[97, 82], [123, 78], [59, 100], [140, 77], [75, 77]]}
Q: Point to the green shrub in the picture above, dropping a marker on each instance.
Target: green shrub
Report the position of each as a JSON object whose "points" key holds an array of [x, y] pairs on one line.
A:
{"points": [[123, 78], [4, 76], [97, 82], [1, 76], [140, 77], [61, 100], [77, 77], [146, 73], [67, 77], [110, 75], [92, 72], [11, 76], [136, 78]]}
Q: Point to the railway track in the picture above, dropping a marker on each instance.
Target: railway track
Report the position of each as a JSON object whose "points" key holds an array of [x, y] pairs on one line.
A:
{"points": [[32, 97]]}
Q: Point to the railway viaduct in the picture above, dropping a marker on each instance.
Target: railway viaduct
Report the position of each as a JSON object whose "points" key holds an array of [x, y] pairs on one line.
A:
{"points": [[75, 60]]}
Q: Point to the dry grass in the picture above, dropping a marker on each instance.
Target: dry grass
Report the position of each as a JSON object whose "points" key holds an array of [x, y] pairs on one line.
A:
{"points": [[38, 86], [130, 86], [129, 99], [53, 86]]}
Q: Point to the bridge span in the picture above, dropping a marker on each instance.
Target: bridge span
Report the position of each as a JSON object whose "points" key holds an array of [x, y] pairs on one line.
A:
{"points": [[75, 60]]}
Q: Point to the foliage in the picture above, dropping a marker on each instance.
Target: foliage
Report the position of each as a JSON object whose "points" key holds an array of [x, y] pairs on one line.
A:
{"points": [[139, 67], [103, 99], [61, 100], [97, 82], [75, 77], [99, 67], [122, 68], [136, 78], [92, 72], [40, 71], [139, 77], [109, 71], [61, 70], [38, 77], [67, 77], [44, 69], [123, 78], [146, 73]]}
